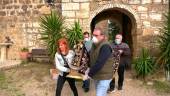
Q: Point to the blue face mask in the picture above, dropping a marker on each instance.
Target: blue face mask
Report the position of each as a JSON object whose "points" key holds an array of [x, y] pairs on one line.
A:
{"points": [[118, 41]]}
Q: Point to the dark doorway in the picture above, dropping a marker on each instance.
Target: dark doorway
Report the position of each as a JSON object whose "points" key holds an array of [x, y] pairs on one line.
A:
{"points": [[114, 21]]}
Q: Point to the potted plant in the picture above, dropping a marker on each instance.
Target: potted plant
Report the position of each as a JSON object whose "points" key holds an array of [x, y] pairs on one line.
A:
{"points": [[164, 46], [24, 53]]}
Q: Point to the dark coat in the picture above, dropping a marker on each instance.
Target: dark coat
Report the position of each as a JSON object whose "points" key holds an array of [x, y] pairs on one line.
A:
{"points": [[125, 58]]}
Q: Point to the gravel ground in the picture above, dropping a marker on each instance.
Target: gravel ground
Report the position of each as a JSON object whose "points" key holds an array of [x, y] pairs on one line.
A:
{"points": [[131, 88], [35, 80]]}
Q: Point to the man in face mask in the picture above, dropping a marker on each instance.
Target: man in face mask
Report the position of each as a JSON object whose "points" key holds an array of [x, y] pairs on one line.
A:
{"points": [[100, 62], [124, 50], [87, 41], [87, 44]]}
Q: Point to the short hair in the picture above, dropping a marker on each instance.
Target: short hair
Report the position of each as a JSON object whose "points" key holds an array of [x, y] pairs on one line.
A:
{"points": [[98, 28], [63, 41], [119, 35], [85, 33], [102, 31]]}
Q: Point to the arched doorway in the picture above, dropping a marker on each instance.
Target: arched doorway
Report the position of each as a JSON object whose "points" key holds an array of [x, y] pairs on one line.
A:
{"points": [[116, 20]]}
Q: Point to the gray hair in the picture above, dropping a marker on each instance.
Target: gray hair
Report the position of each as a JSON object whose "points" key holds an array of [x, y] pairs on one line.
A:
{"points": [[102, 31]]}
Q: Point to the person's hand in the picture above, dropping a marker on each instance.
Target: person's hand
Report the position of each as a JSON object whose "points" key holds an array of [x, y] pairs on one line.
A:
{"points": [[87, 71], [68, 70], [121, 51], [85, 77]]}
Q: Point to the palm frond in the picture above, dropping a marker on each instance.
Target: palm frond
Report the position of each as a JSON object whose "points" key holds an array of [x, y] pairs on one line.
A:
{"points": [[52, 26], [164, 42], [74, 34]]}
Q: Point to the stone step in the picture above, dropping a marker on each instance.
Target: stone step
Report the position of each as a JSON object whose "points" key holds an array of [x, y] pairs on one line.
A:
{"points": [[9, 64]]}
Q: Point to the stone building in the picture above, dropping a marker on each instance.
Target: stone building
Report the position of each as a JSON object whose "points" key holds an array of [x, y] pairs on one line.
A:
{"points": [[138, 20]]}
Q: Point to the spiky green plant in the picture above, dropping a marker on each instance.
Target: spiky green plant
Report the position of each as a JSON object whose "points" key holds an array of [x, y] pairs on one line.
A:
{"points": [[51, 30], [74, 34], [144, 65], [164, 43]]}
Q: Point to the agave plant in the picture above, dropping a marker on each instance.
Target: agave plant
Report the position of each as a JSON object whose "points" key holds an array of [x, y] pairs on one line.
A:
{"points": [[74, 34], [51, 30], [144, 65]]}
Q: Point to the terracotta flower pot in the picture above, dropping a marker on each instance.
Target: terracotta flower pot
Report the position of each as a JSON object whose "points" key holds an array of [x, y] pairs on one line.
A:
{"points": [[24, 55]]}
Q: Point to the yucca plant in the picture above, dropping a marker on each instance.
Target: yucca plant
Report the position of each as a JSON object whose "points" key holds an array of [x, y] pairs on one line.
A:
{"points": [[144, 64], [164, 45], [164, 42], [51, 30], [74, 34]]}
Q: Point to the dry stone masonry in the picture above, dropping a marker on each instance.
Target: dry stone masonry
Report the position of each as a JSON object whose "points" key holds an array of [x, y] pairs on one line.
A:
{"points": [[19, 19]]}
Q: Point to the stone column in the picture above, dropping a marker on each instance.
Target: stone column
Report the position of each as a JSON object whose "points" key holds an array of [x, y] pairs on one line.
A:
{"points": [[3, 51]]}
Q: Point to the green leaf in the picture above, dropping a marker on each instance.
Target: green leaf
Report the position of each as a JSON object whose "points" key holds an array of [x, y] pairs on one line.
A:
{"points": [[164, 42], [144, 64], [52, 26], [74, 34]]}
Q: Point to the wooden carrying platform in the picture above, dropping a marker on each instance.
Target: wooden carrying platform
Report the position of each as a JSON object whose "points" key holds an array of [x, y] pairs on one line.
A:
{"points": [[73, 74]]}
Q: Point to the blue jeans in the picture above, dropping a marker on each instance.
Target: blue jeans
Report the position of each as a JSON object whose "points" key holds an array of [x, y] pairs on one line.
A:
{"points": [[102, 87], [86, 83]]}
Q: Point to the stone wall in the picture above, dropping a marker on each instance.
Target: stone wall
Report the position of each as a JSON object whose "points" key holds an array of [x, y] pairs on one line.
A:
{"points": [[76, 10], [146, 15], [19, 19]]}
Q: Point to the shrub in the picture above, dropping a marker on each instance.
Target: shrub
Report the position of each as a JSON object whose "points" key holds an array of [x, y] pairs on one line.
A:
{"points": [[144, 64], [24, 49], [164, 43], [74, 34], [52, 27]]}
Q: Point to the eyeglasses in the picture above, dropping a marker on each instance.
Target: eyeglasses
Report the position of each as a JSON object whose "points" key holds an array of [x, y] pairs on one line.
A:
{"points": [[117, 38], [95, 35]]}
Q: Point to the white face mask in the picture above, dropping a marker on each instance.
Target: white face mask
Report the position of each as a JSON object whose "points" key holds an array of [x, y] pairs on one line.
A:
{"points": [[95, 40], [86, 39], [118, 41]]}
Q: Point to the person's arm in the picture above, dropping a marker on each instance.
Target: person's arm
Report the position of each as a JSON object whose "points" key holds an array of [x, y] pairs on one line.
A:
{"points": [[59, 66], [126, 50], [104, 54], [70, 57], [88, 56]]}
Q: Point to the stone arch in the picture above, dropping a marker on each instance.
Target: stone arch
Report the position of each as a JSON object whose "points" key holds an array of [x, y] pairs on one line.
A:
{"points": [[130, 12], [122, 7]]}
